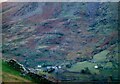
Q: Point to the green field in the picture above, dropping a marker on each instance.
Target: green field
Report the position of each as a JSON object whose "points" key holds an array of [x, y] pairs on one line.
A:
{"points": [[109, 68], [82, 65], [98, 58], [101, 57]]}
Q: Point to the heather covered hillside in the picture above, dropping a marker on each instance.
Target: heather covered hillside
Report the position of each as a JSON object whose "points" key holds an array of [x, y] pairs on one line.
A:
{"points": [[79, 39]]}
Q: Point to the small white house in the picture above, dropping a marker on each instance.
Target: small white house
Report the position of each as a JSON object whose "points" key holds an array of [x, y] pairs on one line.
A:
{"points": [[59, 67], [39, 66], [96, 67]]}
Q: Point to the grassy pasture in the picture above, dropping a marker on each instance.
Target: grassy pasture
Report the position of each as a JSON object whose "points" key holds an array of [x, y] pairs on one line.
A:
{"points": [[82, 65], [101, 57]]}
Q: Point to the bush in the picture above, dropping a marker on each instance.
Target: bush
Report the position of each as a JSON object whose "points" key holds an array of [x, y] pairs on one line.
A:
{"points": [[68, 65], [85, 71]]}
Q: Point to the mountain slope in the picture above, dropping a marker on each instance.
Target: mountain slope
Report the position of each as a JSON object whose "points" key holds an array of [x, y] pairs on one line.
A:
{"points": [[30, 31], [59, 34]]}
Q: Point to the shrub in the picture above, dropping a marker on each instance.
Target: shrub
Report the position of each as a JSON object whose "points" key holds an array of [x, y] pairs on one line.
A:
{"points": [[85, 71]]}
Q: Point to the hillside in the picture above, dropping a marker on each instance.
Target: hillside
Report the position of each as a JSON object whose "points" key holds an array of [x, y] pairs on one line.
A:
{"points": [[9, 74], [73, 37]]}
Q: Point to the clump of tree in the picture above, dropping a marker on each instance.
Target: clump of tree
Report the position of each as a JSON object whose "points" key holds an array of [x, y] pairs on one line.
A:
{"points": [[68, 65], [85, 71]]}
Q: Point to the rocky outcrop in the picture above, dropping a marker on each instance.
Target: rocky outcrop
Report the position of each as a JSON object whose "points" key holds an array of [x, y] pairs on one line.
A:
{"points": [[16, 65]]}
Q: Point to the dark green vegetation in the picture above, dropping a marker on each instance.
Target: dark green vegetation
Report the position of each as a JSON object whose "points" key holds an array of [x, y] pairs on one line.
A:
{"points": [[78, 40]]}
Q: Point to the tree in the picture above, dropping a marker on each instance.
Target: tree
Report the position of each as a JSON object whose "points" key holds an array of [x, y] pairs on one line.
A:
{"points": [[68, 65], [85, 71]]}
